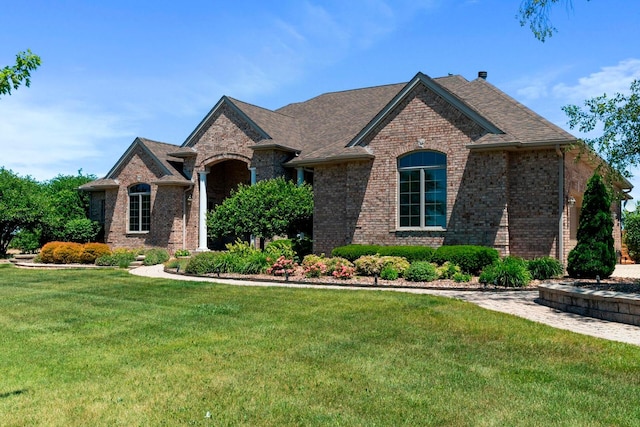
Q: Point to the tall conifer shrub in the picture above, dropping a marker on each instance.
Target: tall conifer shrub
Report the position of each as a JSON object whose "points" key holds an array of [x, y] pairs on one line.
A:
{"points": [[594, 255]]}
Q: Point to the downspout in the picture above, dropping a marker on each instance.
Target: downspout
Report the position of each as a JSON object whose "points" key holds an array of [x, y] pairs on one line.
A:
{"points": [[184, 215], [561, 155]]}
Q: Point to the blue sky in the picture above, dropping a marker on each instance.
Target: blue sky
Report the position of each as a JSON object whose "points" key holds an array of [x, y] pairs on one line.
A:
{"points": [[114, 70]]}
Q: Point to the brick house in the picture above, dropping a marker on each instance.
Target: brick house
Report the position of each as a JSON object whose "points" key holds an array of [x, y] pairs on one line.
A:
{"points": [[430, 162]]}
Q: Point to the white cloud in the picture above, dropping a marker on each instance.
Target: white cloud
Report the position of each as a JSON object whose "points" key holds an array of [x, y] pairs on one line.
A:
{"points": [[45, 140], [608, 80]]}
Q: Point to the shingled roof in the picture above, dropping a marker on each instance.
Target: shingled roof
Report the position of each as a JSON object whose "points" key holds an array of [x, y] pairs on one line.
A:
{"points": [[331, 126]]}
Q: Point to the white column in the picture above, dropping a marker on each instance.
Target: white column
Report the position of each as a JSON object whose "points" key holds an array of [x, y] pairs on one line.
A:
{"points": [[202, 212], [253, 175]]}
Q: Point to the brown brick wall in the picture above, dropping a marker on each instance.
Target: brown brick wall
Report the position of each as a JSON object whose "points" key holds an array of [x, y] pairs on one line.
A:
{"points": [[357, 202], [166, 208], [533, 203]]}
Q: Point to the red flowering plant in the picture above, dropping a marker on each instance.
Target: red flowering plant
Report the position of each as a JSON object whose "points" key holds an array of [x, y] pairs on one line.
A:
{"points": [[282, 267]]}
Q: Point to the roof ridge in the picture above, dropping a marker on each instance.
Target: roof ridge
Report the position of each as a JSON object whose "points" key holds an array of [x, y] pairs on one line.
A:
{"points": [[259, 107]]}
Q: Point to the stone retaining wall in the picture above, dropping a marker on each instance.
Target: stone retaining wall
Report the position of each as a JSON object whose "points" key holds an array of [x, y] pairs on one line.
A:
{"points": [[606, 305]]}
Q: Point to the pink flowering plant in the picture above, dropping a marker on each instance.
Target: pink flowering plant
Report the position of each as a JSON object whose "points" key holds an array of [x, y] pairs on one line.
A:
{"points": [[314, 266], [344, 272], [283, 266]]}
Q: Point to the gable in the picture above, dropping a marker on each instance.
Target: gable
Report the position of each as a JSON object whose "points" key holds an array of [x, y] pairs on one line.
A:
{"points": [[422, 80], [224, 105]]}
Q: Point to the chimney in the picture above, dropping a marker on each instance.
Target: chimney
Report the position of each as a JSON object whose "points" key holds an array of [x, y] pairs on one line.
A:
{"points": [[482, 75]]}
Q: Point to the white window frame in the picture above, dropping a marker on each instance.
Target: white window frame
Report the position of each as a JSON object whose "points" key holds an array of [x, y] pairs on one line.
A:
{"points": [[422, 169], [140, 198]]}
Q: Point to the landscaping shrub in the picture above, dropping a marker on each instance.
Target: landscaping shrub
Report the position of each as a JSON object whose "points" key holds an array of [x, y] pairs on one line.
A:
{"points": [[544, 268], [201, 263], [155, 256], [510, 272], [471, 259], [81, 230], [336, 263], [421, 271], [461, 277], [389, 273], [302, 246], [448, 270], [240, 248], [594, 255], [254, 263], [314, 266], [370, 265], [46, 253], [67, 253], [182, 253], [343, 272], [92, 251], [410, 253], [120, 257], [227, 262], [278, 248], [283, 266]]}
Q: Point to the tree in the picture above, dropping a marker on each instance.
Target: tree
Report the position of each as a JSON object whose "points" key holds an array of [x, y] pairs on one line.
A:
{"points": [[594, 255], [21, 206], [66, 204], [269, 208], [536, 14], [632, 234], [11, 77], [619, 117]]}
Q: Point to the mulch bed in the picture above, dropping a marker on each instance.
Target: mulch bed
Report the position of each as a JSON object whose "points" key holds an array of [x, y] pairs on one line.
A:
{"points": [[614, 283]]}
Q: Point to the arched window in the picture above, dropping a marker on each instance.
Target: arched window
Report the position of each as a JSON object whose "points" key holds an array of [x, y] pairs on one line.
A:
{"points": [[139, 208], [423, 190]]}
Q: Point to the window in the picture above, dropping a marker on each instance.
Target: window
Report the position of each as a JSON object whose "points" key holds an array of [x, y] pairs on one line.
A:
{"points": [[423, 190], [139, 208]]}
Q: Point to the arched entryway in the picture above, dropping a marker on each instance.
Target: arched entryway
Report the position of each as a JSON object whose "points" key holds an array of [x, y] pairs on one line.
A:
{"points": [[224, 176]]}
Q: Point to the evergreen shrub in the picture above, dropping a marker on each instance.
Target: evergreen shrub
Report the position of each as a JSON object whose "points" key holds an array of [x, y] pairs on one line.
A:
{"points": [[471, 259], [594, 255], [92, 251]]}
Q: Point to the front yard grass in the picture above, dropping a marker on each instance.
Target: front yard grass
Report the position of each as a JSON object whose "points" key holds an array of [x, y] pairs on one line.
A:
{"points": [[102, 347]]}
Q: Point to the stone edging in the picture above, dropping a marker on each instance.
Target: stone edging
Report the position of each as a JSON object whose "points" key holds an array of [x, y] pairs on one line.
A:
{"points": [[607, 305]]}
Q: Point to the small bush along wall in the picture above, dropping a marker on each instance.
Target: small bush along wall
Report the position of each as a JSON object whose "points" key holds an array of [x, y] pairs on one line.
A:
{"points": [[470, 259], [410, 253]]}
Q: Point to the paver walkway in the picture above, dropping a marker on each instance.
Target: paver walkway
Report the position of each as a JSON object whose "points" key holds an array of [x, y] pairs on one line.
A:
{"points": [[518, 303]]}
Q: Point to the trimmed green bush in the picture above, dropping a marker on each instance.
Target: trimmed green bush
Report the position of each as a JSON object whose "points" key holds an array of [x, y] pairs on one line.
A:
{"points": [[155, 256], [544, 268], [461, 277], [202, 263], [410, 253], [510, 272], [421, 271], [389, 273], [471, 259]]}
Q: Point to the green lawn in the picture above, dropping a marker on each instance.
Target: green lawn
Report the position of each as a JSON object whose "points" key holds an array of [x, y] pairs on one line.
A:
{"points": [[102, 347]]}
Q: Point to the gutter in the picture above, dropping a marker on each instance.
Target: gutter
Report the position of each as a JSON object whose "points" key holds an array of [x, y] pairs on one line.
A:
{"points": [[561, 156]]}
